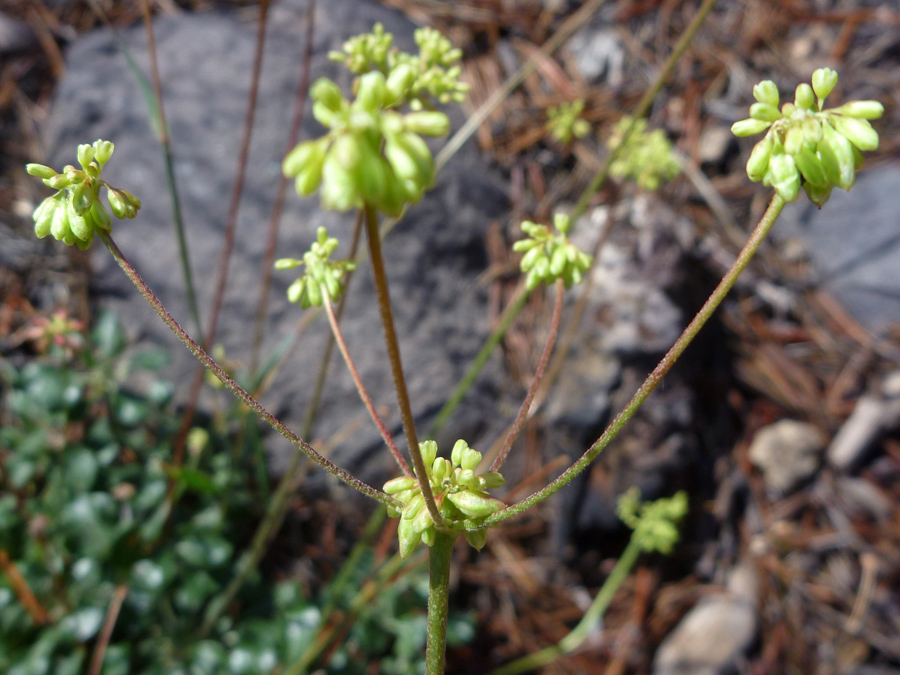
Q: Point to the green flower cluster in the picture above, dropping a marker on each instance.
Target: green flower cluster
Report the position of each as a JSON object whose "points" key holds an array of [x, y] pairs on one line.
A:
{"points": [[372, 154], [75, 212], [647, 157], [460, 495], [564, 122], [322, 276], [655, 524], [550, 256], [436, 66], [807, 145]]}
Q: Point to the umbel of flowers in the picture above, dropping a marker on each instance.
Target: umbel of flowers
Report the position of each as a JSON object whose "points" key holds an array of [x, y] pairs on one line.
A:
{"points": [[75, 212], [459, 493], [550, 255], [806, 144], [322, 277]]}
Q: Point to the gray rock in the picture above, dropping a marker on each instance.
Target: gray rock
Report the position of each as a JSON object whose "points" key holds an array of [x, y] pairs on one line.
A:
{"points": [[854, 245], [14, 34], [434, 255], [788, 453], [598, 52], [715, 635], [870, 418]]}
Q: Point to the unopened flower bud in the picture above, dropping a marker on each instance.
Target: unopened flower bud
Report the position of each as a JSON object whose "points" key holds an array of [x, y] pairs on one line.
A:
{"points": [[784, 176], [103, 150], [327, 93], [804, 97], [766, 92], [475, 505], [429, 123], [823, 82], [758, 164], [40, 171], [749, 127], [764, 112], [867, 110], [85, 155], [857, 131]]}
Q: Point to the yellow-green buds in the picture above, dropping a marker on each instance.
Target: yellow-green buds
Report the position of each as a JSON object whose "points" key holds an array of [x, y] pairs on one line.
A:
{"points": [[75, 212], [807, 145], [550, 256], [564, 122], [647, 156], [459, 494], [372, 155], [322, 277]]}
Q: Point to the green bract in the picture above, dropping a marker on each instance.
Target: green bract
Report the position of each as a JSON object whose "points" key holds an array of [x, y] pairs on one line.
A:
{"points": [[655, 524], [565, 123], [459, 493], [75, 212], [550, 256], [322, 276], [647, 157], [806, 145]]}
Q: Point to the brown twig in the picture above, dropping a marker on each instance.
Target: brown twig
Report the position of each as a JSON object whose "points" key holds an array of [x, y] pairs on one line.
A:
{"points": [[112, 614], [31, 604]]}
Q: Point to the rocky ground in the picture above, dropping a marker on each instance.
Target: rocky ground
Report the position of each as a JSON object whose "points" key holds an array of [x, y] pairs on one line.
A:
{"points": [[782, 420]]}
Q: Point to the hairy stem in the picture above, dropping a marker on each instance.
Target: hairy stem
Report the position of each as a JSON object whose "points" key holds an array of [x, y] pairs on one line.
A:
{"points": [[235, 388], [439, 557], [756, 238], [393, 350], [535, 383], [360, 387]]}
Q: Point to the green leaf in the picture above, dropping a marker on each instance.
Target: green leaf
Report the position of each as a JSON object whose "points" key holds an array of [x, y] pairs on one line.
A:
{"points": [[107, 336]]}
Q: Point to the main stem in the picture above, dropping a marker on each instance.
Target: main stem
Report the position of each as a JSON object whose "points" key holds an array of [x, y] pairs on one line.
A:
{"points": [[762, 229], [438, 593], [393, 350]]}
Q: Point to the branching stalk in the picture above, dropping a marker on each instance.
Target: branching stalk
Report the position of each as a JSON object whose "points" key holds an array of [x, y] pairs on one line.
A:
{"points": [[535, 383], [234, 387], [360, 387], [756, 238]]}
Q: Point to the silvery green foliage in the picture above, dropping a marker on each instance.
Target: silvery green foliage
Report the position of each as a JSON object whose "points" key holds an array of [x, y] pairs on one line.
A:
{"points": [[75, 212], [322, 277], [807, 145], [459, 493], [550, 255]]}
